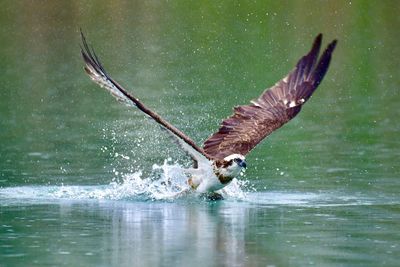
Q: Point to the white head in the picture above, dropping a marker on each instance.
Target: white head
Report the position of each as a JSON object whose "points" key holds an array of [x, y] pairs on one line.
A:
{"points": [[232, 165]]}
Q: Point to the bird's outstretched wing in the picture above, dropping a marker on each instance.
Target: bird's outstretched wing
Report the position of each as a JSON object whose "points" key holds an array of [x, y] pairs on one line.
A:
{"points": [[277, 105], [96, 71]]}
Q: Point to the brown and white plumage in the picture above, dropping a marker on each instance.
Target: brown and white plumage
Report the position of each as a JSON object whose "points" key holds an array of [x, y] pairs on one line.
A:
{"points": [[277, 105], [222, 156]]}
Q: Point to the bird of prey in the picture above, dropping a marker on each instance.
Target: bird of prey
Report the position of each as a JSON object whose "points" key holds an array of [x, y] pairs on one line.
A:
{"points": [[222, 156]]}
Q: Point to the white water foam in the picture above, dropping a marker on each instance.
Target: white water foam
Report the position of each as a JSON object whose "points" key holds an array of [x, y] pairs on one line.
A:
{"points": [[167, 182]]}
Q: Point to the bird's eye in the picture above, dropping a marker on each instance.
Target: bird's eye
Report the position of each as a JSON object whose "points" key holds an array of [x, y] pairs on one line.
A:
{"points": [[237, 160]]}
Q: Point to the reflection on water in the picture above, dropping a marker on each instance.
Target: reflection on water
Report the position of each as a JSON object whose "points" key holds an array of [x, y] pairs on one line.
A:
{"points": [[269, 227], [132, 233], [191, 232]]}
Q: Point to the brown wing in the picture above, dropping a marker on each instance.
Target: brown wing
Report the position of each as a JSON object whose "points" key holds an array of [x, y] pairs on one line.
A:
{"points": [[277, 105]]}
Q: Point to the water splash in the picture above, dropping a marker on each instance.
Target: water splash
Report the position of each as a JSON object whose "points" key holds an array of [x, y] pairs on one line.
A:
{"points": [[166, 182]]}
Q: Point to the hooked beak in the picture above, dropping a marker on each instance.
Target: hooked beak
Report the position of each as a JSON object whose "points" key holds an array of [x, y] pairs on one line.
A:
{"points": [[243, 164]]}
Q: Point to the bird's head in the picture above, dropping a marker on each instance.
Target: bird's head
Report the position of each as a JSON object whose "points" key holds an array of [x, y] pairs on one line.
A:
{"points": [[231, 166]]}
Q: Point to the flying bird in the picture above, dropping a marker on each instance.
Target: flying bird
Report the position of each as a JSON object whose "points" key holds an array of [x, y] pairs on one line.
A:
{"points": [[222, 156]]}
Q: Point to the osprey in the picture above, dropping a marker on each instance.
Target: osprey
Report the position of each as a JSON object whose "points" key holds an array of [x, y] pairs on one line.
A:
{"points": [[222, 156]]}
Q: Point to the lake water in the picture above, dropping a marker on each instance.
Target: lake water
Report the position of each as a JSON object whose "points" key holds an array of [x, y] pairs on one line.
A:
{"points": [[81, 175]]}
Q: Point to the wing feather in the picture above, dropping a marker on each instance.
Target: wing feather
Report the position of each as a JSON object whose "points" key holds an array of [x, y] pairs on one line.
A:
{"points": [[250, 124], [97, 73]]}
